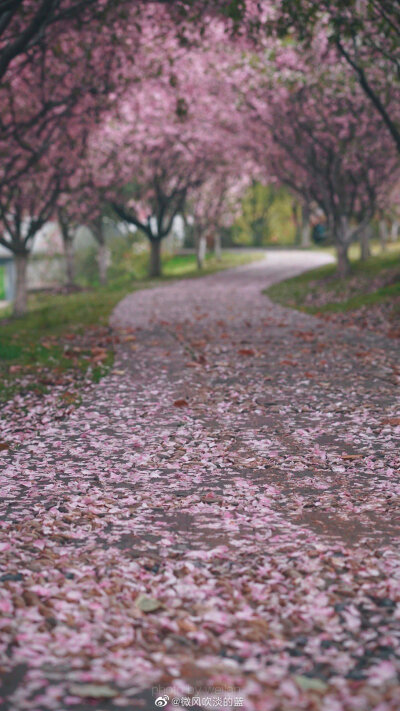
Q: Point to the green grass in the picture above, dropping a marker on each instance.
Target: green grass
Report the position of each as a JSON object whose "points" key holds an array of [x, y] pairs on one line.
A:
{"points": [[355, 251], [341, 295], [36, 342], [185, 265]]}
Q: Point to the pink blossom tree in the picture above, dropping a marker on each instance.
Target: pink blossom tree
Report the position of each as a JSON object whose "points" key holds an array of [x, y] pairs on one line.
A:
{"points": [[321, 139], [214, 205], [82, 203], [24, 209], [365, 35], [64, 63], [26, 205], [55, 89], [156, 151], [59, 55]]}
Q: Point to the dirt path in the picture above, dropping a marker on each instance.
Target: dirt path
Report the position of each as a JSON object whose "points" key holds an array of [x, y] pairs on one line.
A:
{"points": [[220, 522]]}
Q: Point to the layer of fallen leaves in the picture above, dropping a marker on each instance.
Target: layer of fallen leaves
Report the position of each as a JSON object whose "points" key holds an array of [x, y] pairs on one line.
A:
{"points": [[327, 290], [35, 394], [381, 317], [245, 540]]}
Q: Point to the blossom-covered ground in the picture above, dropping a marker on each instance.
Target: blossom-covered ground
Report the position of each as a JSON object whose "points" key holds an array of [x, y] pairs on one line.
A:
{"points": [[217, 522], [383, 318]]}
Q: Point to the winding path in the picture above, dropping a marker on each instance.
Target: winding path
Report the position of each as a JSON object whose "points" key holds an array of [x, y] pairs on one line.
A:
{"points": [[219, 522]]}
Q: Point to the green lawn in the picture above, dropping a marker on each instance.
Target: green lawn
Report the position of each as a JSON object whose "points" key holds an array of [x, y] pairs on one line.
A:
{"points": [[2, 292], [374, 281], [60, 331]]}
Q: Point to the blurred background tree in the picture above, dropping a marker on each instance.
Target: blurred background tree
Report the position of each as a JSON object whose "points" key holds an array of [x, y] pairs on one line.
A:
{"points": [[267, 217]]}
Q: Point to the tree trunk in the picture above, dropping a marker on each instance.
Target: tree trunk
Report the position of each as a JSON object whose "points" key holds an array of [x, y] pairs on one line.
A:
{"points": [[383, 234], [364, 243], [155, 258], [21, 290], [217, 245], [342, 241], [305, 226], [9, 280], [296, 222], [69, 261], [67, 234], [201, 251], [102, 254], [102, 261], [394, 231], [343, 264]]}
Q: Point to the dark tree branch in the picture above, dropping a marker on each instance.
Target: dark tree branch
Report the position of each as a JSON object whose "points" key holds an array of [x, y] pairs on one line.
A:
{"points": [[131, 219], [372, 95]]}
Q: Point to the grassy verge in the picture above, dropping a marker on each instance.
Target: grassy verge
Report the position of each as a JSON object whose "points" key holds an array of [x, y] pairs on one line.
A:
{"points": [[65, 337], [355, 251], [373, 283]]}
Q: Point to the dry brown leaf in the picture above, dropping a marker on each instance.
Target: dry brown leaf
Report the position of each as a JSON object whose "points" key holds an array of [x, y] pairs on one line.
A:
{"points": [[181, 402], [394, 421], [352, 456]]}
